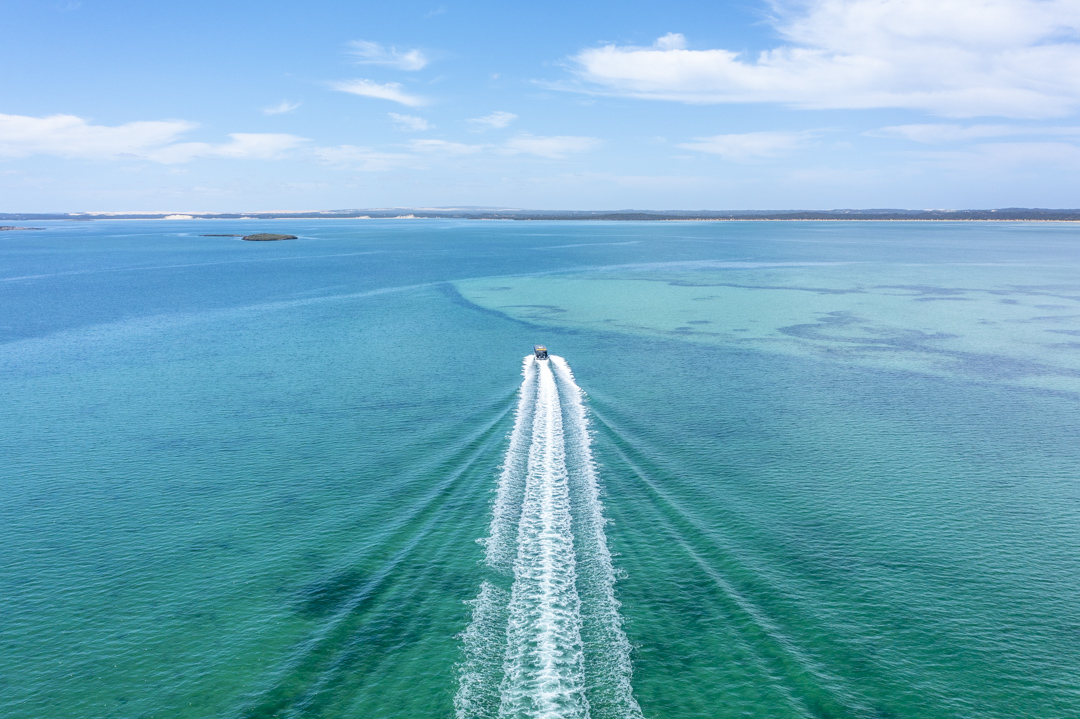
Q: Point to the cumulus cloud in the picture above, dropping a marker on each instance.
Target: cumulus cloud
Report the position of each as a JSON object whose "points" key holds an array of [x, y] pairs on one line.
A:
{"points": [[556, 147], [369, 88], [372, 53], [409, 123], [495, 121], [749, 146], [960, 58], [73, 137], [931, 133], [281, 108]]}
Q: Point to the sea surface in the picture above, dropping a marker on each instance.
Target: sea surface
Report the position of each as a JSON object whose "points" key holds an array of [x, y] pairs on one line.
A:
{"points": [[772, 469]]}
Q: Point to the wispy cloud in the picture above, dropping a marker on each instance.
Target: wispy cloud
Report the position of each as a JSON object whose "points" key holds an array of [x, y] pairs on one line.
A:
{"points": [[445, 148], [495, 121], [428, 152], [931, 133], [410, 123], [372, 53], [281, 108], [556, 147], [73, 137], [243, 146], [1012, 58], [749, 146], [363, 159], [369, 88], [992, 158]]}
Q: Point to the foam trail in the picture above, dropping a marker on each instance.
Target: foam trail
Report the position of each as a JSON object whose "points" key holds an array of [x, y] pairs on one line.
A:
{"points": [[503, 529], [607, 649], [483, 646], [544, 674], [553, 645], [484, 640]]}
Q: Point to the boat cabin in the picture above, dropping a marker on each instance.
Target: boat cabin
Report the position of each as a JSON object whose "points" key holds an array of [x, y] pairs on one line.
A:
{"points": [[540, 351]]}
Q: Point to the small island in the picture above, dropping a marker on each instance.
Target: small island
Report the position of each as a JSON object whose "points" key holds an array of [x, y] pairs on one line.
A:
{"points": [[267, 237]]}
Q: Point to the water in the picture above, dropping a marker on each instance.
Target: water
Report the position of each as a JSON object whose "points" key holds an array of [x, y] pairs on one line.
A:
{"points": [[817, 470]]}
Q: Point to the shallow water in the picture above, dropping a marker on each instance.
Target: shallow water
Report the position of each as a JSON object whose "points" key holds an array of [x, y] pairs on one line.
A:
{"points": [[837, 467]]}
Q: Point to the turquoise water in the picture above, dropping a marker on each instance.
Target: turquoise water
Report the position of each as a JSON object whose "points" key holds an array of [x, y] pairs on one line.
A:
{"points": [[812, 470]]}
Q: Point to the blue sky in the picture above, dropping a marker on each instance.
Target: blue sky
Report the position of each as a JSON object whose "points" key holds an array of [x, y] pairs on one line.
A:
{"points": [[814, 104]]}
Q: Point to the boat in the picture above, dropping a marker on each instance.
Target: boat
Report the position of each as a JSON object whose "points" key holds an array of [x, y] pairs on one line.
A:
{"points": [[540, 351]]}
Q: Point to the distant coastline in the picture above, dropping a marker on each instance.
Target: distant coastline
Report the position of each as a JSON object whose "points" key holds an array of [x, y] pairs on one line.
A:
{"points": [[1012, 214]]}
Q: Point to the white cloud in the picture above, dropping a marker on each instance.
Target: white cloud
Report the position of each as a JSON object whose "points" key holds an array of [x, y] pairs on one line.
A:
{"points": [[671, 41], [1061, 154], [555, 147], [749, 146], [372, 53], [961, 58], [991, 159], [369, 88], [443, 147], [244, 146], [363, 159], [939, 133], [423, 153], [73, 137], [409, 123], [281, 108], [495, 121]]}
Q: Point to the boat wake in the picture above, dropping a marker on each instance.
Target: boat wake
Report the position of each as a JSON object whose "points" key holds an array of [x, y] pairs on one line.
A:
{"points": [[546, 637]]}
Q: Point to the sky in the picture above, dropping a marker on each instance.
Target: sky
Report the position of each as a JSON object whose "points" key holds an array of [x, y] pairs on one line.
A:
{"points": [[803, 104]]}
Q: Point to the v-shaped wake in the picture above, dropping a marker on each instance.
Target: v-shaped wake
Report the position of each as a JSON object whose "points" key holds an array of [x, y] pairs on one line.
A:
{"points": [[552, 646]]}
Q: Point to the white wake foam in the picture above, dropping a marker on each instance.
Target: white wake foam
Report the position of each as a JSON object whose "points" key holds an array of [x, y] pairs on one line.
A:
{"points": [[484, 641], [553, 646], [500, 542], [544, 672], [607, 650]]}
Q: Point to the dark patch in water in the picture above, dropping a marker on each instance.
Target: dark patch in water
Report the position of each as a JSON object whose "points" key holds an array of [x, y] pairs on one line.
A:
{"points": [[324, 598], [546, 308], [1053, 318], [795, 288], [924, 289], [939, 299], [455, 297], [845, 328]]}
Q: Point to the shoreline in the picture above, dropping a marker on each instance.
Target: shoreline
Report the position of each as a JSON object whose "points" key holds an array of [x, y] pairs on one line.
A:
{"points": [[529, 217]]}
